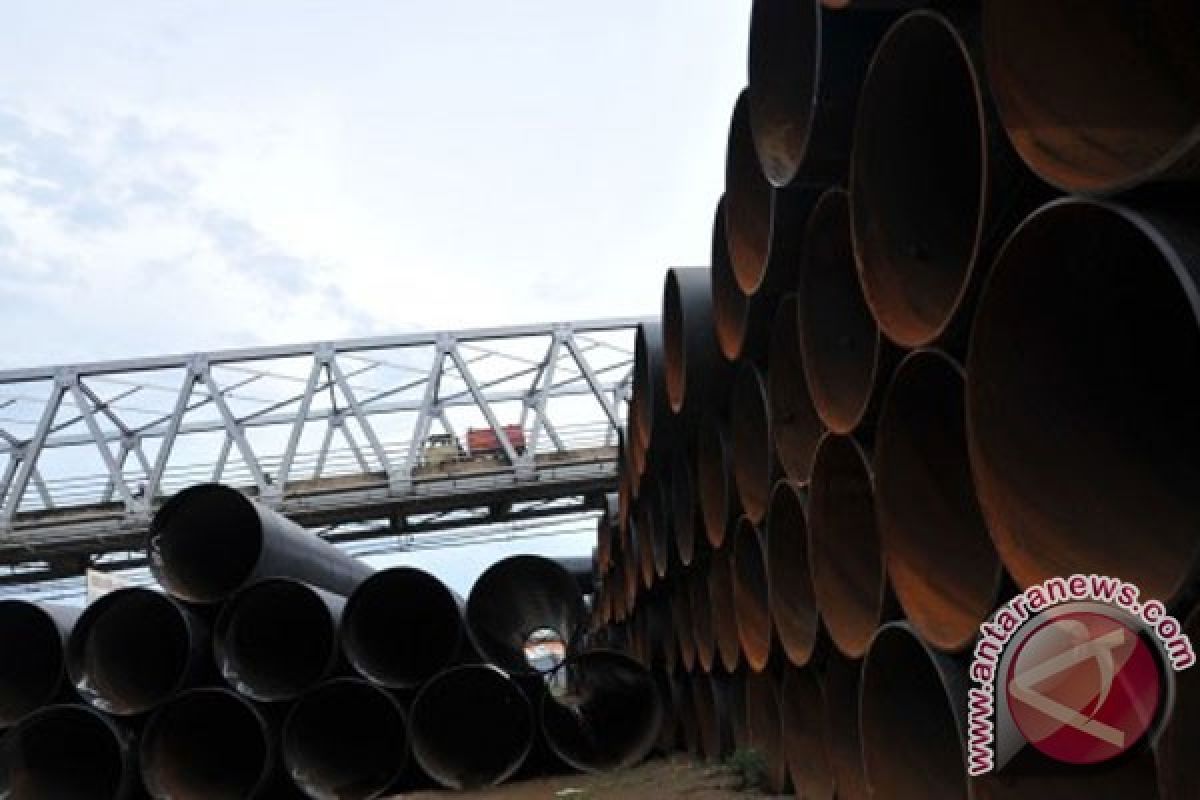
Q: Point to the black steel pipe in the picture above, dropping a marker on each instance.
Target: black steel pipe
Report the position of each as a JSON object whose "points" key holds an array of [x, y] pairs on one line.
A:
{"points": [[471, 727], [702, 618], [1099, 101], [402, 626], [513, 600], [276, 638], [730, 305], [789, 574], [795, 424], [681, 621], [912, 694], [843, 680], [764, 727], [934, 186], [649, 405], [694, 367], [937, 551], [710, 698], [70, 752], [209, 540], [846, 361], [847, 564], [208, 744], [714, 479], [345, 739], [753, 449], [805, 740], [135, 648], [806, 67], [686, 522], [608, 714], [750, 598], [1081, 420], [33, 670], [724, 611], [747, 202]]}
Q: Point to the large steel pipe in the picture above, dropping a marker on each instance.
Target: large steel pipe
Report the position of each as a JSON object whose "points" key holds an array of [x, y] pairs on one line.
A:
{"points": [[135, 648], [795, 424], [345, 739], [1081, 409], [209, 540], [694, 367], [702, 619], [750, 596], [208, 744], [724, 611], [933, 188], [70, 752], [471, 727], [747, 202], [730, 305], [937, 552], [649, 406], [608, 715], [642, 526], [33, 669], [847, 566], [805, 740], [806, 66], [913, 709], [846, 360], [276, 638], [710, 698], [789, 574], [1102, 99], [714, 479], [685, 519], [753, 449], [518, 602], [681, 621], [843, 679], [764, 727], [402, 626]]}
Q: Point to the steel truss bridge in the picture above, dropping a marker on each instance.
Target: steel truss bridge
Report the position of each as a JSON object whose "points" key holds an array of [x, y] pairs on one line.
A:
{"points": [[337, 435]]}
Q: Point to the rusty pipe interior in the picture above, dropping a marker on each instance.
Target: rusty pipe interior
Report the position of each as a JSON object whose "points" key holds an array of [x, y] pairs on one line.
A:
{"points": [[795, 424], [789, 574], [750, 595]]}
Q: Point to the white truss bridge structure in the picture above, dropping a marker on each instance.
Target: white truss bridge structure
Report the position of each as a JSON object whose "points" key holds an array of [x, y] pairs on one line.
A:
{"points": [[392, 435]]}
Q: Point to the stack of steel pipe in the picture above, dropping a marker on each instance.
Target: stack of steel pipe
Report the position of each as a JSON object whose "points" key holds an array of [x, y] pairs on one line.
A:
{"points": [[274, 665], [947, 348]]}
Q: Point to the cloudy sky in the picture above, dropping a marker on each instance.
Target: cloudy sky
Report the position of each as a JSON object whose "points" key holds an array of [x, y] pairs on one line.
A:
{"points": [[185, 175], [180, 176]]}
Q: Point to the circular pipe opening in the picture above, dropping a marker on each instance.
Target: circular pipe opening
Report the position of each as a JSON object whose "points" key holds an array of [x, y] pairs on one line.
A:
{"points": [[1096, 102], [402, 625], [724, 613], [714, 479], [205, 542], [750, 435], [905, 699], [1081, 402], [683, 504], [471, 727], [702, 620], [276, 638], [747, 202], [795, 424], [515, 597], [843, 679], [64, 751], [789, 574], [839, 338], [731, 306], [681, 620], [130, 651], [847, 566], [750, 596], [31, 674], [206, 743], [345, 739], [785, 57], [764, 727], [937, 551], [803, 709], [918, 178], [609, 717]]}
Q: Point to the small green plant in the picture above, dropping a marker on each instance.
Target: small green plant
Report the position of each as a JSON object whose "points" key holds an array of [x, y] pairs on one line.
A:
{"points": [[749, 766]]}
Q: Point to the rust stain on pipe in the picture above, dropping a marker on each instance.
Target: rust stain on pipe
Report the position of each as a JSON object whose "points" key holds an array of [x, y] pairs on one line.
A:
{"points": [[753, 450]]}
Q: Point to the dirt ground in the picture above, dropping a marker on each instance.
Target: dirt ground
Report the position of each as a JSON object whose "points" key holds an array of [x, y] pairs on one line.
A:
{"points": [[659, 779]]}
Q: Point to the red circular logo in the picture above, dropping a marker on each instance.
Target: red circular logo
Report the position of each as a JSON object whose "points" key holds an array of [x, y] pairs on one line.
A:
{"points": [[1084, 687]]}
